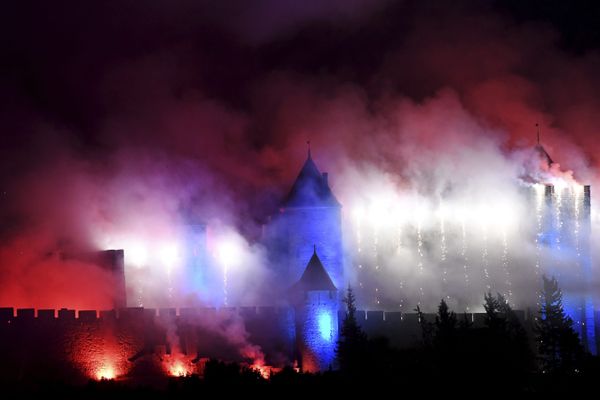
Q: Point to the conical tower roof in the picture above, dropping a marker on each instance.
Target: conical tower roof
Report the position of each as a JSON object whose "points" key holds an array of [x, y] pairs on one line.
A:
{"points": [[543, 154], [315, 277], [311, 189], [540, 151]]}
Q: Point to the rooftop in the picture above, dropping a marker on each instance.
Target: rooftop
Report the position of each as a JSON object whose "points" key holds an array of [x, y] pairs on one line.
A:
{"points": [[311, 188], [315, 277]]}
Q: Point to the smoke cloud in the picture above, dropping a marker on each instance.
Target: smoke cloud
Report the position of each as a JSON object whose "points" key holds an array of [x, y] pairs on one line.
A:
{"points": [[123, 122]]}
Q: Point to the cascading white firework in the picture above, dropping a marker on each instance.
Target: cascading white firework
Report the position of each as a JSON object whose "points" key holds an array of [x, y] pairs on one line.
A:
{"points": [[444, 237], [228, 253]]}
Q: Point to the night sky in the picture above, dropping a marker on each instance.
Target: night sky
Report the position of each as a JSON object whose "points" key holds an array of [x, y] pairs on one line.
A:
{"points": [[201, 107]]}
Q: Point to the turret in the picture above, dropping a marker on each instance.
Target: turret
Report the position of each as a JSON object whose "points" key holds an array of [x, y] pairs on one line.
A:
{"points": [[316, 304], [563, 239], [309, 215]]}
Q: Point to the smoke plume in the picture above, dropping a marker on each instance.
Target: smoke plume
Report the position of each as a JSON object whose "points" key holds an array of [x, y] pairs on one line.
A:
{"points": [[123, 122]]}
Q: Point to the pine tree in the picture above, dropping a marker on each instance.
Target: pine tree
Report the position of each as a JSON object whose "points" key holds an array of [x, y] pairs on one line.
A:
{"points": [[426, 328], [558, 343], [352, 344], [519, 350], [508, 339], [512, 324], [493, 320], [464, 324], [445, 324]]}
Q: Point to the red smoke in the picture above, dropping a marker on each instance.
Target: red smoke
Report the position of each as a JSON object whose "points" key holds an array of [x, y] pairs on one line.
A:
{"points": [[34, 277], [141, 120]]}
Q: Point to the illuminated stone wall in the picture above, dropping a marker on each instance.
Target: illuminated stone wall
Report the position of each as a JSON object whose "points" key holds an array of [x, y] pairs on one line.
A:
{"points": [[195, 257], [133, 343], [294, 234], [317, 330], [565, 234]]}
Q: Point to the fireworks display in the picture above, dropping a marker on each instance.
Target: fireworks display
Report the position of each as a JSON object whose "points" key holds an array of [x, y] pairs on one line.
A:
{"points": [[146, 165]]}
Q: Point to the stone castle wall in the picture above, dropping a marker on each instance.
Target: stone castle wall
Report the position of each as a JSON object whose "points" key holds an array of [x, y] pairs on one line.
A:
{"points": [[298, 230], [136, 342]]}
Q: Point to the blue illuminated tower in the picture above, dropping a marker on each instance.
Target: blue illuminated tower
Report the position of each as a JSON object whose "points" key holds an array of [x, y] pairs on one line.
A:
{"points": [[564, 231], [316, 306], [310, 215], [194, 279]]}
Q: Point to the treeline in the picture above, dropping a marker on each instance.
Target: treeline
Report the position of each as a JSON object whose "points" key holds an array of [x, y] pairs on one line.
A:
{"points": [[454, 355], [451, 356], [501, 355]]}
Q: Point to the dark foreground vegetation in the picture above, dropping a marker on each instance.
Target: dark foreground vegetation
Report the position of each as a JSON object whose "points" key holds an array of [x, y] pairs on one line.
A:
{"points": [[452, 357]]}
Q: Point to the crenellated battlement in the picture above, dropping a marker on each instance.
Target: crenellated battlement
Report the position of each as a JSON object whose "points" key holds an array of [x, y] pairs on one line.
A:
{"points": [[10, 314], [77, 344], [370, 320], [398, 326]]}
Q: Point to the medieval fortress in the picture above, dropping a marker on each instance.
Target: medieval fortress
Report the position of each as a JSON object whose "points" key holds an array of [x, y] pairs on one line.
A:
{"points": [[305, 243]]}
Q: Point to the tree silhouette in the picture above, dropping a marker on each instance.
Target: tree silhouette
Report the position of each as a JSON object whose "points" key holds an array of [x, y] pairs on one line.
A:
{"points": [[352, 344], [558, 344], [439, 342], [426, 328], [464, 324], [445, 327], [493, 320], [520, 350], [507, 341]]}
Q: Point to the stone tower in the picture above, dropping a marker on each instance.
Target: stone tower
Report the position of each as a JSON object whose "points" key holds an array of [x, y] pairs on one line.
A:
{"points": [[194, 279], [309, 216], [316, 305], [564, 229]]}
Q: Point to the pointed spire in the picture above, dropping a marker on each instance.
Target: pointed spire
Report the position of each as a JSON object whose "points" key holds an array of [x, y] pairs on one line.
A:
{"points": [[540, 149], [315, 249], [315, 276], [311, 188]]}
